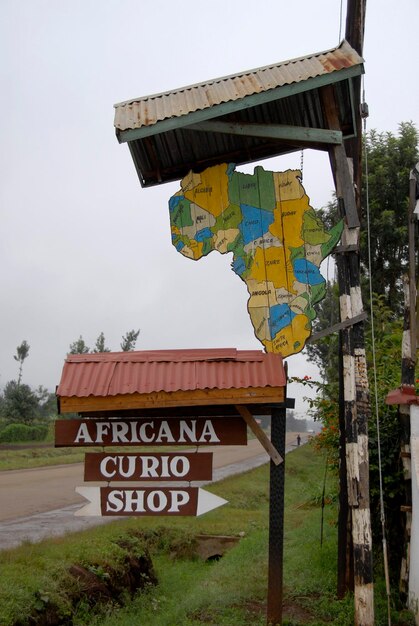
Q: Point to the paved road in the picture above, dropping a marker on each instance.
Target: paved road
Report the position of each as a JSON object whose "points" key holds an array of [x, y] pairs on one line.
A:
{"points": [[41, 502]]}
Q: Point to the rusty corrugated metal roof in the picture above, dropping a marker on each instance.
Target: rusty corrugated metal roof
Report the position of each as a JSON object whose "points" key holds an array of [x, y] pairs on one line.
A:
{"points": [[148, 110], [171, 133], [114, 373]]}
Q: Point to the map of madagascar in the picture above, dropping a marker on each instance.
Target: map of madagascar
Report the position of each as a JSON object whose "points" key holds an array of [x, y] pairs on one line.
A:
{"points": [[276, 239]]}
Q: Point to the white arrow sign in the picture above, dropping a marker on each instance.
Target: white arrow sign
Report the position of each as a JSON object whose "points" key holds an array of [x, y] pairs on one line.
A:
{"points": [[138, 502]]}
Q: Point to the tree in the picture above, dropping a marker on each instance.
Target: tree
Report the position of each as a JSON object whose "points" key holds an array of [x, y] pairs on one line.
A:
{"points": [[79, 347], [47, 402], [20, 404], [100, 344], [293, 424], [22, 353], [390, 160], [129, 340]]}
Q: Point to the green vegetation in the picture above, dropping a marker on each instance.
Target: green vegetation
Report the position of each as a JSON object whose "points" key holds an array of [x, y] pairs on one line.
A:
{"points": [[22, 432], [231, 591]]}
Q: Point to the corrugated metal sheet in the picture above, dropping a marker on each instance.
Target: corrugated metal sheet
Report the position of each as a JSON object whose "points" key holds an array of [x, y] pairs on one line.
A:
{"points": [[148, 110], [114, 373]]}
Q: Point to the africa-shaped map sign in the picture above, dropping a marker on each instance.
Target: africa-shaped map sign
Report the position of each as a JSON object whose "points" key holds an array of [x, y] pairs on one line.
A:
{"points": [[277, 240]]}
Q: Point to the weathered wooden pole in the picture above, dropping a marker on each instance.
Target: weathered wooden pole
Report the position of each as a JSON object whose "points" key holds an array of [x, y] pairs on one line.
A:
{"points": [[355, 381], [345, 573], [357, 411]]}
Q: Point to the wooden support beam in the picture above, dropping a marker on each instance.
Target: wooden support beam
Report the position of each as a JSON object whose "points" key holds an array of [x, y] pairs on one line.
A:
{"points": [[299, 134], [340, 167], [355, 380], [336, 327], [161, 399], [260, 434]]}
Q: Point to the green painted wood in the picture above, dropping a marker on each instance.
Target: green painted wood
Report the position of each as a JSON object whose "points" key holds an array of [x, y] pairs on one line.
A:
{"points": [[276, 131], [237, 105]]}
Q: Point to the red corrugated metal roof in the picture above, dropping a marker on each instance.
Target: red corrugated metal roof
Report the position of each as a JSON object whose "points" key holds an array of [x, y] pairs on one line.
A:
{"points": [[402, 395], [114, 373]]}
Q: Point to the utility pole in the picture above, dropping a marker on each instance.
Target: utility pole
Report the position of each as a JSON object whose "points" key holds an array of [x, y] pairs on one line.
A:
{"points": [[346, 167]]}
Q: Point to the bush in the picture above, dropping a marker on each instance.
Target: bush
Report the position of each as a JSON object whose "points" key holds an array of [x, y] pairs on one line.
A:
{"points": [[21, 432]]}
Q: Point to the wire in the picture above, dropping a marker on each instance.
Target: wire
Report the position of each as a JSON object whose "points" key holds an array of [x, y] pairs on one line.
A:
{"points": [[377, 418]]}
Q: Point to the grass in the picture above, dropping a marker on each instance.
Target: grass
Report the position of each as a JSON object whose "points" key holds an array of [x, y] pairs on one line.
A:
{"points": [[26, 458], [228, 592], [31, 457]]}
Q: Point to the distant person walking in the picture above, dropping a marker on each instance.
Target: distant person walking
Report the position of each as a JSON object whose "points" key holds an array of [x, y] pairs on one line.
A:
{"points": [[298, 440]]}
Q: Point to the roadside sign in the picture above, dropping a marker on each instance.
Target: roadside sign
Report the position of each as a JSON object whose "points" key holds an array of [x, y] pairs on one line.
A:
{"points": [[146, 501], [151, 432], [173, 466]]}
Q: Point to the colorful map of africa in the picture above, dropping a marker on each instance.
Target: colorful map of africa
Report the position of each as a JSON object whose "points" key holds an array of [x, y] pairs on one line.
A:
{"points": [[278, 242]]}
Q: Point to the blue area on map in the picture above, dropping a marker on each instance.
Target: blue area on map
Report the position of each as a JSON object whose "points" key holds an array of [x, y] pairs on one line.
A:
{"points": [[238, 266], [178, 243], [255, 222], [174, 201], [203, 234], [280, 316], [307, 272], [230, 169]]}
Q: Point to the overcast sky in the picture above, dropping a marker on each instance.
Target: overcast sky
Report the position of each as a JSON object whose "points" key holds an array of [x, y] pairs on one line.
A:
{"points": [[83, 248]]}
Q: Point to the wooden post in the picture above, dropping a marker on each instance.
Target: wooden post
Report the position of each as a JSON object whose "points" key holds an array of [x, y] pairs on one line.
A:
{"points": [[355, 381], [276, 520], [413, 296], [345, 573]]}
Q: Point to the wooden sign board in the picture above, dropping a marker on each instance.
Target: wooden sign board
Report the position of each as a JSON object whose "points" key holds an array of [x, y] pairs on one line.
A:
{"points": [[145, 467], [151, 432], [146, 501]]}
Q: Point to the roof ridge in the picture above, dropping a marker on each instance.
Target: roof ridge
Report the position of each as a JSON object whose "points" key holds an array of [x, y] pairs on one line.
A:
{"points": [[220, 79]]}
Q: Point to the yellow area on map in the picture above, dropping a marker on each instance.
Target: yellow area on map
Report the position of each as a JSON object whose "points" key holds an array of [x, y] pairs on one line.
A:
{"points": [[259, 318], [262, 294], [190, 181], [194, 250], [289, 221], [269, 264], [284, 296], [314, 254], [212, 191], [299, 305], [297, 331], [224, 237], [287, 185]]}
